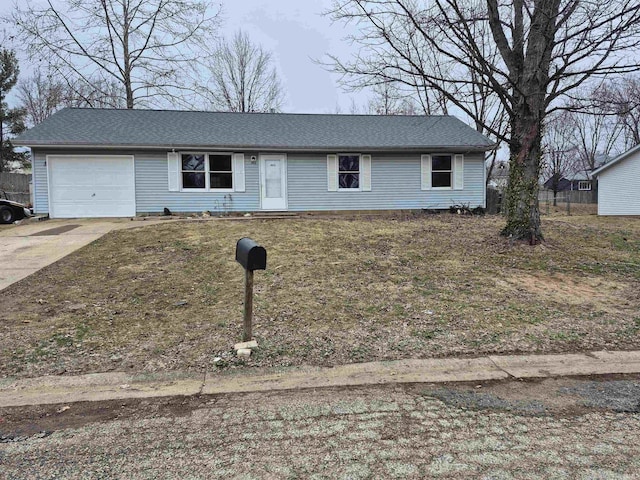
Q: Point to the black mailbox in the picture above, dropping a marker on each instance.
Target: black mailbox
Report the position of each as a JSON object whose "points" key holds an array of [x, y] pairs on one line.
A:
{"points": [[251, 255]]}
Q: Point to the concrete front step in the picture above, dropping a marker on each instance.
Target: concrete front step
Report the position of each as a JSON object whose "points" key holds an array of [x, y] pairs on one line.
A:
{"points": [[274, 214]]}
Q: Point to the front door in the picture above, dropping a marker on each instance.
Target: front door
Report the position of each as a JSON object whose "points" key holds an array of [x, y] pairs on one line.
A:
{"points": [[273, 182]]}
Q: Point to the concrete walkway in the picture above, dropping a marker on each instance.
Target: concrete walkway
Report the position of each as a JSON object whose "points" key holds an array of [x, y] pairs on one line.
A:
{"points": [[111, 386], [26, 248]]}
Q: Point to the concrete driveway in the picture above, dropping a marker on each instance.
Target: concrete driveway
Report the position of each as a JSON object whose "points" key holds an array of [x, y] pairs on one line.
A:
{"points": [[26, 248]]}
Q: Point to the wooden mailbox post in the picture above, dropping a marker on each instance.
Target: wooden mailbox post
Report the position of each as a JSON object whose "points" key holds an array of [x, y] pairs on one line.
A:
{"points": [[252, 257]]}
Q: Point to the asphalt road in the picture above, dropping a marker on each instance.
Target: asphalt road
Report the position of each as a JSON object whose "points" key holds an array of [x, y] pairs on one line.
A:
{"points": [[556, 428]]}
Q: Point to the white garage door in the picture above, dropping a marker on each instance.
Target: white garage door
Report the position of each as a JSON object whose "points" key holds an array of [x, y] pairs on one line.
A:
{"points": [[91, 186]]}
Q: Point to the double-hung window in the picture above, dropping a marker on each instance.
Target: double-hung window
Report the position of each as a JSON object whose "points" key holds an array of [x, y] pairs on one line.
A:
{"points": [[206, 171], [348, 172], [441, 171]]}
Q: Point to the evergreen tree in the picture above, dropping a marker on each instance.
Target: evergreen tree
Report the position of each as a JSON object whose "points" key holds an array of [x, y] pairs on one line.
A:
{"points": [[11, 119]]}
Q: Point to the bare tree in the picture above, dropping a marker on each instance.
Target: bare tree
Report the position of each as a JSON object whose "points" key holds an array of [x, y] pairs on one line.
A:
{"points": [[486, 112], [354, 108], [622, 97], [242, 77], [146, 46], [40, 96], [560, 152], [388, 99], [489, 118], [595, 135], [98, 93], [582, 137], [594, 123], [529, 54]]}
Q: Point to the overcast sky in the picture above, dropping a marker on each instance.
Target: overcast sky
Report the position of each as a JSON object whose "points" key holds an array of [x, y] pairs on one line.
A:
{"points": [[296, 33]]}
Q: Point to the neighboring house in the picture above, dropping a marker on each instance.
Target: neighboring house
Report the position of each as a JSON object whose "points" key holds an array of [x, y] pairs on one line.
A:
{"points": [[17, 167], [101, 162], [578, 181], [500, 176], [619, 184]]}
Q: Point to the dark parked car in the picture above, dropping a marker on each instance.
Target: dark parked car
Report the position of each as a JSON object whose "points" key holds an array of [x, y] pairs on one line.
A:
{"points": [[11, 211]]}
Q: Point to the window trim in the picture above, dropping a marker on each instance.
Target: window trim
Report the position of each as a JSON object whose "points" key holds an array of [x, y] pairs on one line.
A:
{"points": [[588, 182], [207, 172], [340, 189], [451, 171]]}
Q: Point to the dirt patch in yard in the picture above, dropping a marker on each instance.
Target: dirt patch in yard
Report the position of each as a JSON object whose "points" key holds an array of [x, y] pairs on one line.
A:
{"points": [[567, 289], [336, 290]]}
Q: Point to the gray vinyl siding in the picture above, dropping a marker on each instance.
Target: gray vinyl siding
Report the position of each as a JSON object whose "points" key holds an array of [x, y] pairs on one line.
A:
{"points": [[152, 185], [395, 184], [619, 188], [153, 195], [40, 186]]}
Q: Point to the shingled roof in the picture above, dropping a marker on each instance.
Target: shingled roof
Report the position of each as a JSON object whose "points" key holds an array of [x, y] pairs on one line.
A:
{"points": [[173, 129]]}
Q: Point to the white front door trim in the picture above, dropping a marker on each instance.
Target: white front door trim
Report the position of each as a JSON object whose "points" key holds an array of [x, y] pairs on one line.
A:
{"points": [[273, 203], [130, 211]]}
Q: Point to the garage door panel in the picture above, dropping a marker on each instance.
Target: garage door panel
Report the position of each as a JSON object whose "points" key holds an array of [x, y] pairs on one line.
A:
{"points": [[110, 179], [91, 194], [91, 186], [71, 193], [82, 210]]}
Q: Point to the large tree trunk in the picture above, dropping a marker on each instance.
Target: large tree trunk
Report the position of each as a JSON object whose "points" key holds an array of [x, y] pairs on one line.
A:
{"points": [[528, 59], [523, 213], [126, 55]]}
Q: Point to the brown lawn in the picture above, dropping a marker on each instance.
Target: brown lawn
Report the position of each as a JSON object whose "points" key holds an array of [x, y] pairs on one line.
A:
{"points": [[337, 290]]}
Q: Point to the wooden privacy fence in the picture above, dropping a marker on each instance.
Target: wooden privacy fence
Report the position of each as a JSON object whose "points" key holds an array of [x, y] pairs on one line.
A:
{"points": [[17, 186], [568, 196], [494, 201]]}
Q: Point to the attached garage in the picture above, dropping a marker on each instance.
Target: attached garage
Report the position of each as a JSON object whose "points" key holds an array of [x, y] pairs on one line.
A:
{"points": [[91, 186]]}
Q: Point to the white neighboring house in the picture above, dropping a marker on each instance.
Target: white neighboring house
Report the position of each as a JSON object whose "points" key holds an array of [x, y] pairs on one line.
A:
{"points": [[619, 184]]}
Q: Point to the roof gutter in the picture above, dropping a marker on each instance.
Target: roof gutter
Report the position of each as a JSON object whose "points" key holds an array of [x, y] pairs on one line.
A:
{"points": [[423, 148]]}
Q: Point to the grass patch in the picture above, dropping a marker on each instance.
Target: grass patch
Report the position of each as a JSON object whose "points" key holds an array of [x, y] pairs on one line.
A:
{"points": [[337, 290], [624, 241]]}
